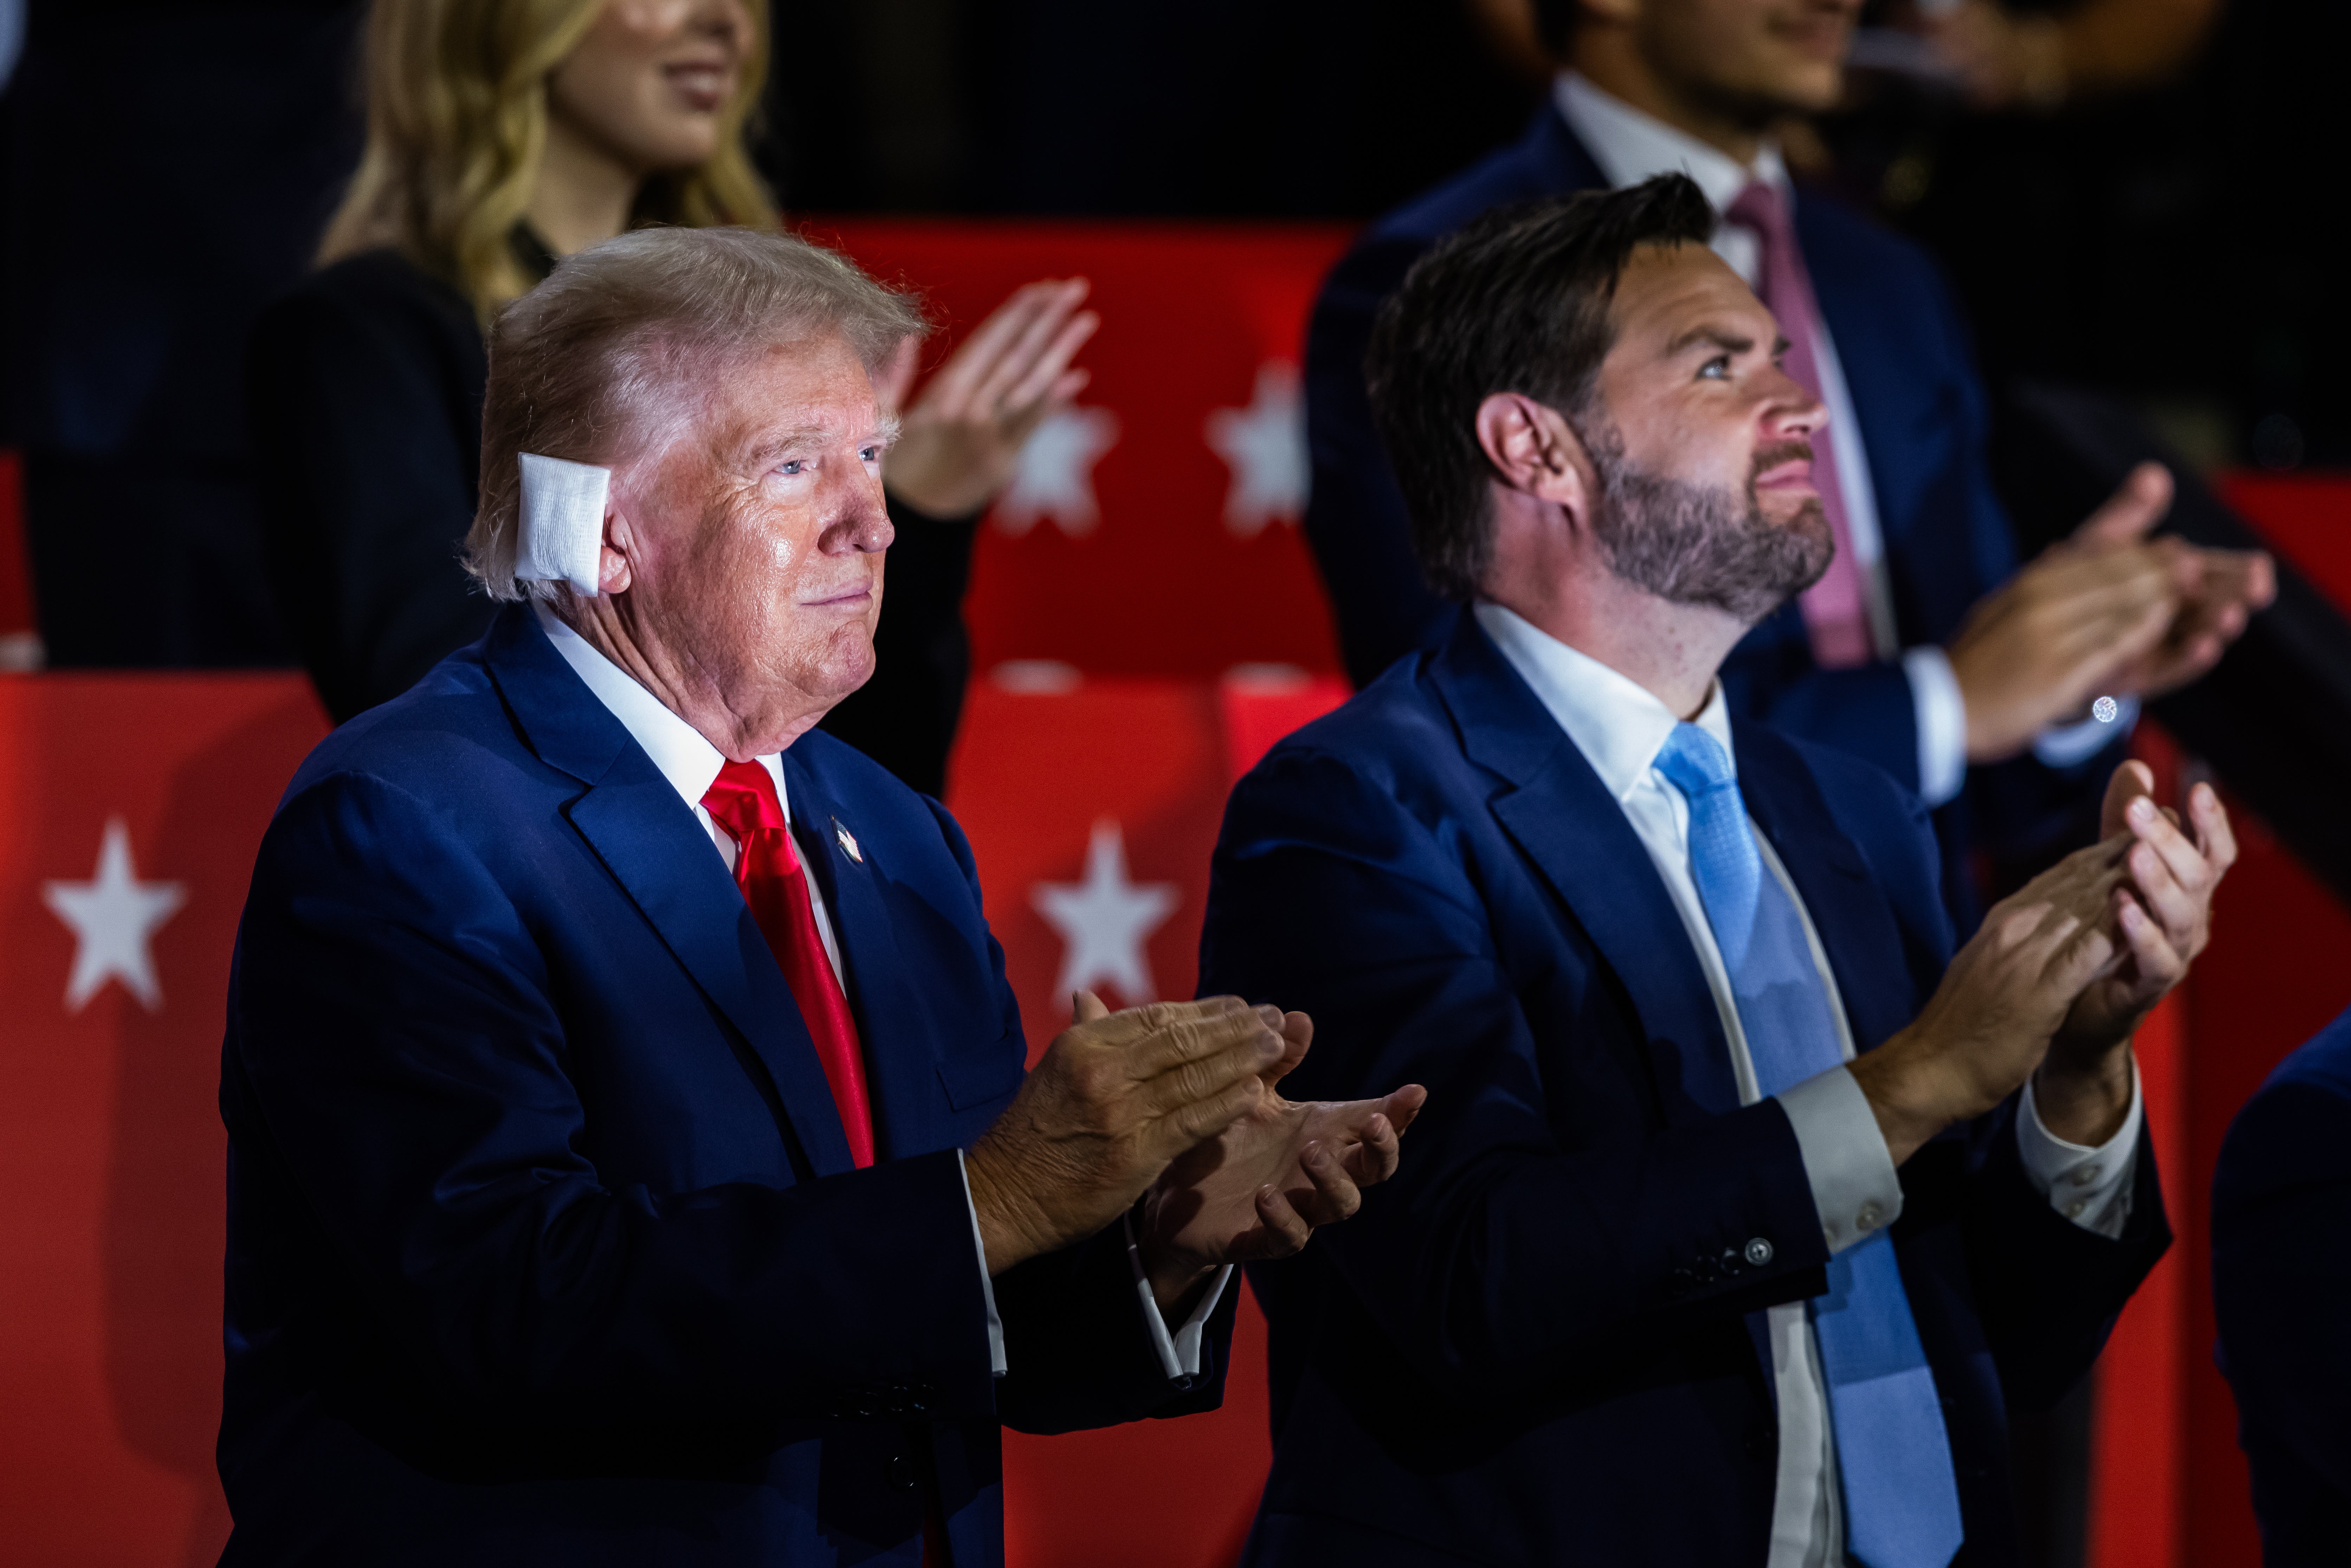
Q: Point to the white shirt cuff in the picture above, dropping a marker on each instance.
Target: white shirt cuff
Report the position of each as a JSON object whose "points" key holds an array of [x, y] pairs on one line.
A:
{"points": [[1179, 1352], [987, 1286], [1941, 714], [2071, 745], [2092, 1187], [1854, 1186]]}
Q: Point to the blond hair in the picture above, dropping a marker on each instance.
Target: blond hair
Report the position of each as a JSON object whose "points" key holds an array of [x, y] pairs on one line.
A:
{"points": [[613, 354], [457, 115]]}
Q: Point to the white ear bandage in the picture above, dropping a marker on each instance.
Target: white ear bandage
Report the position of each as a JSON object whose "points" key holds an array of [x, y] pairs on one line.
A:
{"points": [[562, 522]]}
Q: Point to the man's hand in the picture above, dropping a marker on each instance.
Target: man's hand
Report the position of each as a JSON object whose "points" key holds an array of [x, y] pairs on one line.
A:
{"points": [[2164, 914], [958, 443], [2107, 612], [2006, 993], [2223, 589], [1115, 1097], [2036, 650], [1260, 1188]]}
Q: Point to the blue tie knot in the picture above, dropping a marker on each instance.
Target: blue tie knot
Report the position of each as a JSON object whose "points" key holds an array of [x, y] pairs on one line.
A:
{"points": [[1693, 763]]}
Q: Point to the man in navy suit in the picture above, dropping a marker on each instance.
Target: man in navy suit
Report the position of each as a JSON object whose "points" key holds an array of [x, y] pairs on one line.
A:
{"points": [[1925, 649], [1744, 1209], [2280, 1207], [630, 1154]]}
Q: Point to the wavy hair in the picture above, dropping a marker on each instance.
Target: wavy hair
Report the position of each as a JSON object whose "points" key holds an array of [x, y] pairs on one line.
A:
{"points": [[456, 118]]}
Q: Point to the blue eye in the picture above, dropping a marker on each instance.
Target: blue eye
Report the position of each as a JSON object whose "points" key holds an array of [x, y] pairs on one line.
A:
{"points": [[871, 455], [1716, 369], [790, 466]]}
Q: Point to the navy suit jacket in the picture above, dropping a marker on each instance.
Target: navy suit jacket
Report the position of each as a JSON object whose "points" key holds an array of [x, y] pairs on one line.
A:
{"points": [[1539, 1342], [1907, 365], [544, 1241], [2280, 1275]]}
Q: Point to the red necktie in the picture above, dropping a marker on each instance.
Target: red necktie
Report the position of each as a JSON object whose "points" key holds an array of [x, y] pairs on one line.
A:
{"points": [[1836, 613], [743, 801]]}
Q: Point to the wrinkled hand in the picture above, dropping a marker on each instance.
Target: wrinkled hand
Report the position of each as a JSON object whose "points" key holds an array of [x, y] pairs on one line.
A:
{"points": [[2005, 995], [1115, 1098], [2163, 914], [1260, 1187], [958, 442]]}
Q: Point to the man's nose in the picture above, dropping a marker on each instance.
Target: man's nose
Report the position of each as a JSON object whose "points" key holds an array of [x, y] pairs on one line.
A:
{"points": [[1795, 410], [861, 526]]}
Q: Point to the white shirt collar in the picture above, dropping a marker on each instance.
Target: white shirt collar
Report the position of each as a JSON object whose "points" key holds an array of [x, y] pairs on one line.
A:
{"points": [[1631, 146], [684, 756], [1618, 723]]}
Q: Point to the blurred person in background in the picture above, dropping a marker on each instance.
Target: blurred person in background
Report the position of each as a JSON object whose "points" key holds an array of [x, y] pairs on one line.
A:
{"points": [[167, 166], [1926, 649], [502, 135], [2281, 1201]]}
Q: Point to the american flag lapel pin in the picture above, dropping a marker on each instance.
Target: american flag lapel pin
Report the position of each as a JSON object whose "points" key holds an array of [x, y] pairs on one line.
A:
{"points": [[848, 841]]}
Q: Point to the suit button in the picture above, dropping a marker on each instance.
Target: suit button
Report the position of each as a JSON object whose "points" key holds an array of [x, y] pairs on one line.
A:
{"points": [[1759, 1252], [901, 1472]]}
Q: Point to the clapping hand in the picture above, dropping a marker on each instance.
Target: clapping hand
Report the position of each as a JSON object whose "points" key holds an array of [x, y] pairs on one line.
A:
{"points": [[2108, 610], [959, 440], [1260, 1188], [2162, 916]]}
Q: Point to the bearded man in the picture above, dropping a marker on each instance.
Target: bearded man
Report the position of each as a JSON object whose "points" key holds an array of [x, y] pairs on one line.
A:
{"points": [[631, 1159], [1744, 1209]]}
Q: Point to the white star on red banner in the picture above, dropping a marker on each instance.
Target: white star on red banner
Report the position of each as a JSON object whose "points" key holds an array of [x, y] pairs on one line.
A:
{"points": [[113, 916], [1106, 920], [1264, 446], [1055, 475]]}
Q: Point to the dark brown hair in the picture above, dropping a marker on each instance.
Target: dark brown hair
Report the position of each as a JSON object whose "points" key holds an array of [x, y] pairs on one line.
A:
{"points": [[1516, 302]]}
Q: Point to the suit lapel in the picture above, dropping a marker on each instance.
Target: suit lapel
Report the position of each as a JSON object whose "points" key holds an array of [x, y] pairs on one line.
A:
{"points": [[893, 1024], [650, 842], [1855, 924], [1565, 821]]}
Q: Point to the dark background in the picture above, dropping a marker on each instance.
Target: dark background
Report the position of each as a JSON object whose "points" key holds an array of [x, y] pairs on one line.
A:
{"points": [[168, 168]]}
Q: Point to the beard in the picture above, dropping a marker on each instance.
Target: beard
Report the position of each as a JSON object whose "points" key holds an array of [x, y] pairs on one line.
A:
{"points": [[1710, 544]]}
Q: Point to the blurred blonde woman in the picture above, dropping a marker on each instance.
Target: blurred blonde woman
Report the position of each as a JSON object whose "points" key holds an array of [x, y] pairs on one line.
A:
{"points": [[502, 136]]}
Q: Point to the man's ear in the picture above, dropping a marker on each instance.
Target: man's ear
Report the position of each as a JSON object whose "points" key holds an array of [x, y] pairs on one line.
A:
{"points": [[613, 570], [1535, 451]]}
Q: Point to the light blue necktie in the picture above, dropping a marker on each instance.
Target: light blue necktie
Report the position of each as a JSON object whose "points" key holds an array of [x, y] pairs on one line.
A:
{"points": [[1901, 1500]]}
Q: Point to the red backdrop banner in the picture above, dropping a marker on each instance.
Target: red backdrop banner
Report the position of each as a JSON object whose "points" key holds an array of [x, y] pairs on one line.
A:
{"points": [[1153, 529]]}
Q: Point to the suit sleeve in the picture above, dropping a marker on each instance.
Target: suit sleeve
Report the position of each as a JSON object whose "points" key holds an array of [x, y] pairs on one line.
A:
{"points": [[2047, 1290], [1497, 1253], [394, 1052], [2281, 1268], [366, 485], [1077, 1352]]}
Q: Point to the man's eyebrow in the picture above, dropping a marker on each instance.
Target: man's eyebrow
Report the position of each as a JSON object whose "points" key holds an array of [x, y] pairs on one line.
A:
{"points": [[1720, 336], [771, 444]]}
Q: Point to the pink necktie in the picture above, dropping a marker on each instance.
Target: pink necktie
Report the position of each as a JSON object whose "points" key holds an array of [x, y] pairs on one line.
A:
{"points": [[1836, 614]]}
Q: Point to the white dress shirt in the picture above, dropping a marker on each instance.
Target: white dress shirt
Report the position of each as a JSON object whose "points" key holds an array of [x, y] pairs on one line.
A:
{"points": [[1620, 726], [691, 763], [1631, 147]]}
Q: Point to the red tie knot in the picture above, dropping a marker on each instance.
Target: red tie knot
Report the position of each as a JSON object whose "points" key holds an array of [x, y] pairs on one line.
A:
{"points": [[742, 799]]}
